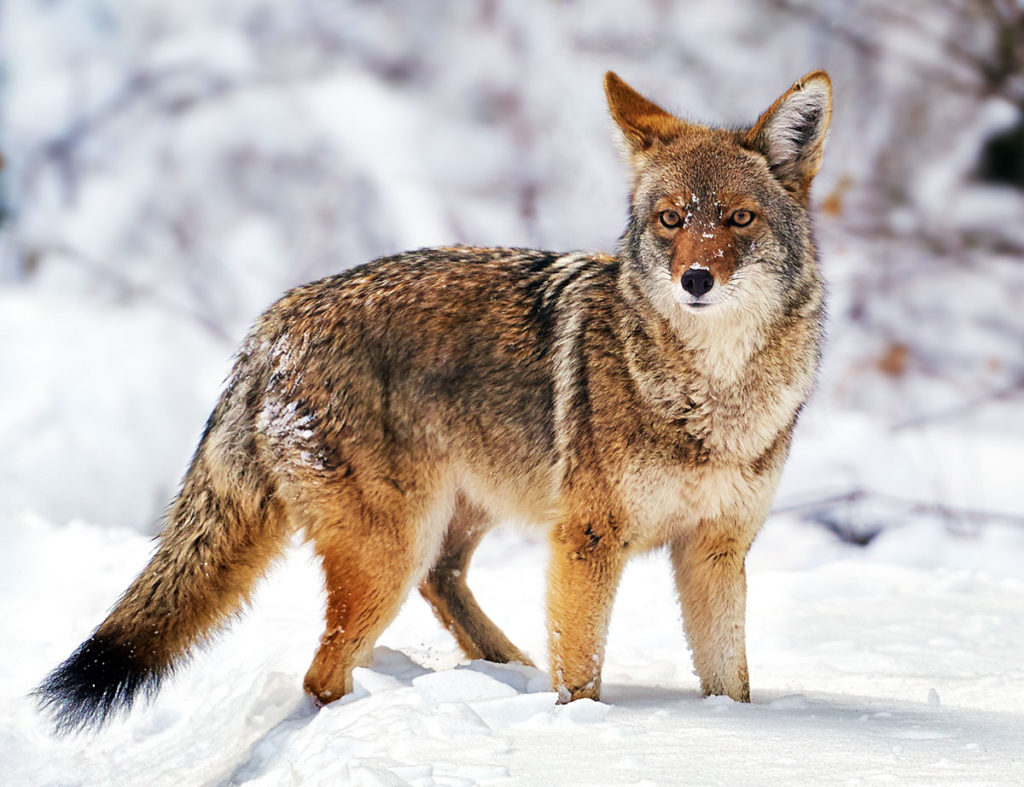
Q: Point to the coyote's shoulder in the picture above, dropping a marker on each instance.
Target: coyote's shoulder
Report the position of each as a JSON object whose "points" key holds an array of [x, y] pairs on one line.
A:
{"points": [[396, 411]]}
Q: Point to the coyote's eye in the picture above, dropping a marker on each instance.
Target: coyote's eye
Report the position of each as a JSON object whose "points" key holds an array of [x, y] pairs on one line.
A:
{"points": [[670, 219], [741, 218]]}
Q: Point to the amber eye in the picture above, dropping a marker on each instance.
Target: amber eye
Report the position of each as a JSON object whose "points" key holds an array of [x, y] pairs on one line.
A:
{"points": [[670, 219], [741, 218]]}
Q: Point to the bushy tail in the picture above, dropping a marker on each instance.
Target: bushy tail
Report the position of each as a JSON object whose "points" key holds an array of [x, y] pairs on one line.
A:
{"points": [[222, 531]]}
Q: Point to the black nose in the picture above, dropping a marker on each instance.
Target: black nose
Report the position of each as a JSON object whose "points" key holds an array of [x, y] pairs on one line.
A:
{"points": [[698, 281]]}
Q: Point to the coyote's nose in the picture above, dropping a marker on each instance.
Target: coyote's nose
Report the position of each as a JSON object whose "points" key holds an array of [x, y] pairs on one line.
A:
{"points": [[698, 281]]}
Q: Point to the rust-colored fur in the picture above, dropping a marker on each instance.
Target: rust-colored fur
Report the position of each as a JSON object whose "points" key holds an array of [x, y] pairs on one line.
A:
{"points": [[396, 411]]}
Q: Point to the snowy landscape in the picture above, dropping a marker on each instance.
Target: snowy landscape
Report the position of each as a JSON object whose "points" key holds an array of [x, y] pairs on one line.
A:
{"points": [[171, 168]]}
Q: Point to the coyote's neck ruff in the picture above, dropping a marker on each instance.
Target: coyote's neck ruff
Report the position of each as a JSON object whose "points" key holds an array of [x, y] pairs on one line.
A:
{"points": [[395, 411]]}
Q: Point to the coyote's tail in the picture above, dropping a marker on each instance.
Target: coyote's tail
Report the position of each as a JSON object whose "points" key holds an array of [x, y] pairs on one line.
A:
{"points": [[222, 531]]}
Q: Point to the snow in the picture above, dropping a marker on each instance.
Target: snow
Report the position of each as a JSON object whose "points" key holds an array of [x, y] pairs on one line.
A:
{"points": [[95, 400], [862, 668]]}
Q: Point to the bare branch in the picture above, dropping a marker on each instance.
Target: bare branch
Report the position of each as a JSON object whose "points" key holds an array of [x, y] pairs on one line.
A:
{"points": [[1000, 395], [134, 290], [983, 78], [859, 495]]}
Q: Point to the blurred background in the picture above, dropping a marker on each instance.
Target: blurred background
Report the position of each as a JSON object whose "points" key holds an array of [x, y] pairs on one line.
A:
{"points": [[171, 168]]}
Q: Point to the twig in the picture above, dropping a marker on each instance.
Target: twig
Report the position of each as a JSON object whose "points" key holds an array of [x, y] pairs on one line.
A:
{"points": [[1001, 394], [913, 506], [867, 46], [133, 289]]}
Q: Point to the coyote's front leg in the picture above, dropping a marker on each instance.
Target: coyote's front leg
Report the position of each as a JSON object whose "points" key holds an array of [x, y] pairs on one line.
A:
{"points": [[586, 563], [712, 584]]}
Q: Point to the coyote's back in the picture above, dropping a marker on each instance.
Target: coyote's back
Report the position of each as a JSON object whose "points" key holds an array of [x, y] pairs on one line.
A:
{"points": [[394, 412]]}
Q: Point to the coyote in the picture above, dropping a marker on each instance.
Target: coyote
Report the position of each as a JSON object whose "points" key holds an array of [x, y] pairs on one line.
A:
{"points": [[395, 411]]}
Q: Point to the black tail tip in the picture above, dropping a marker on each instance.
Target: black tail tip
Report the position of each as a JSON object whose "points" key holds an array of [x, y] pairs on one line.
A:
{"points": [[101, 679]]}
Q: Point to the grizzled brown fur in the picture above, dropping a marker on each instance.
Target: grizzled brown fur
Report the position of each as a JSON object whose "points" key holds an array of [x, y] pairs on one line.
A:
{"points": [[394, 412]]}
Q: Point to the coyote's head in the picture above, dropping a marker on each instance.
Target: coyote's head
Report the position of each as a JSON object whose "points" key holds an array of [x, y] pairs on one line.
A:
{"points": [[718, 223]]}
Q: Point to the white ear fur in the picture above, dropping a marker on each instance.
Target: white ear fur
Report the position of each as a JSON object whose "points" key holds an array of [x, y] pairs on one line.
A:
{"points": [[800, 121], [791, 134]]}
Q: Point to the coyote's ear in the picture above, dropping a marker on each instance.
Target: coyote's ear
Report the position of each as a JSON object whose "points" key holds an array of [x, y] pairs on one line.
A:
{"points": [[791, 134], [642, 122]]}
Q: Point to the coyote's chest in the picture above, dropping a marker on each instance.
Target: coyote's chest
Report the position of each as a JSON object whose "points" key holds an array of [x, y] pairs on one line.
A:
{"points": [[716, 450], [730, 469], [738, 421]]}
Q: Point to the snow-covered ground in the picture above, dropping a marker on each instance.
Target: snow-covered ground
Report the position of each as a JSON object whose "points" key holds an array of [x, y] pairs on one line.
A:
{"points": [[864, 669]]}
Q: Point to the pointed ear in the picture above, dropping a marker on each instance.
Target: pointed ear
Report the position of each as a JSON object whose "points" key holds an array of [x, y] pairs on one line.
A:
{"points": [[642, 122], [791, 134]]}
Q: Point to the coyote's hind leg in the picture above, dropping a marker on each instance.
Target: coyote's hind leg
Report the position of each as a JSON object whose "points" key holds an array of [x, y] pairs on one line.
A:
{"points": [[446, 590], [371, 557]]}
